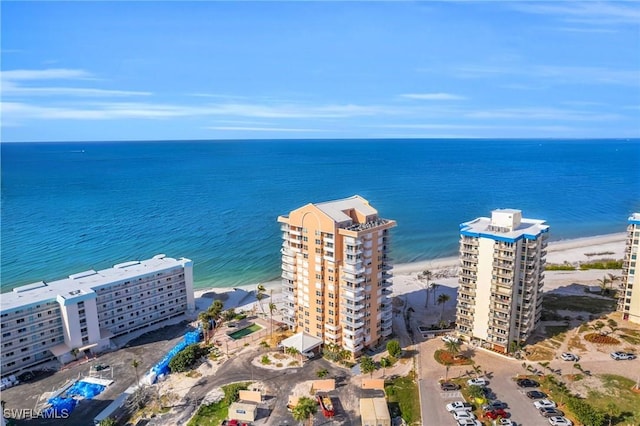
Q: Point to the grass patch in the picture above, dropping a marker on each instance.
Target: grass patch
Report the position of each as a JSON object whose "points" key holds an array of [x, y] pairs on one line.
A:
{"points": [[557, 332], [604, 264], [559, 267], [403, 397], [576, 343], [592, 305], [617, 389], [210, 415], [540, 353]]}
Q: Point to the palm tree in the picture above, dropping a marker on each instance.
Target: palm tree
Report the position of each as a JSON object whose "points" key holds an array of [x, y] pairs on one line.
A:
{"points": [[426, 274], [367, 365], [203, 317], [442, 299], [434, 286], [135, 364], [603, 284], [305, 410], [453, 347], [272, 308], [384, 363], [477, 369], [260, 295], [613, 278]]}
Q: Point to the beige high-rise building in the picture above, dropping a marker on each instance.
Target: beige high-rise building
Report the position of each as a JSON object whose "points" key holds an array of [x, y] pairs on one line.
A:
{"points": [[501, 277], [336, 272], [629, 300]]}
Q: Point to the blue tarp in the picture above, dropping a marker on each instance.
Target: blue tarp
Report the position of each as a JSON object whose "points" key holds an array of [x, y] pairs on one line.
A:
{"points": [[84, 389], [162, 367], [66, 403]]}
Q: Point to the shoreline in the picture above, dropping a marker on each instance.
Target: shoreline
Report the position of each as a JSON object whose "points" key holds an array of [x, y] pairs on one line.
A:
{"points": [[405, 275]]}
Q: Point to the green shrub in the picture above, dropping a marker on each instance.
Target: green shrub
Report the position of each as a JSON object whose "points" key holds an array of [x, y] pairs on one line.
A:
{"points": [[605, 264], [186, 358], [232, 391], [265, 360]]}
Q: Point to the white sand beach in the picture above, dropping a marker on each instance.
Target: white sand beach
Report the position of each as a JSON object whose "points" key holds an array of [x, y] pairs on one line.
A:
{"points": [[444, 273]]}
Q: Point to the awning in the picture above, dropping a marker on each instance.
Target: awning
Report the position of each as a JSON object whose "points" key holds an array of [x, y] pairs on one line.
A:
{"points": [[303, 342]]}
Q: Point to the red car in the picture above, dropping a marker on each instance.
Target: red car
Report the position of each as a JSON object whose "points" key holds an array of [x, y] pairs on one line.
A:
{"points": [[494, 414], [234, 422]]}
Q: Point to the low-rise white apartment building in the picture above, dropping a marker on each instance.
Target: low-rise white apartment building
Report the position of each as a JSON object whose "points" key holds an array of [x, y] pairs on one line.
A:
{"points": [[501, 277], [629, 296], [44, 321]]}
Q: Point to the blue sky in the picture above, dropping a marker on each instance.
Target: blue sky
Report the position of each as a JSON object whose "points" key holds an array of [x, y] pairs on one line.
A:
{"points": [[267, 70]]}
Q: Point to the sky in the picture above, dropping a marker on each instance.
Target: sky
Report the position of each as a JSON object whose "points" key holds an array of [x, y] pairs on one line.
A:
{"points": [[97, 71]]}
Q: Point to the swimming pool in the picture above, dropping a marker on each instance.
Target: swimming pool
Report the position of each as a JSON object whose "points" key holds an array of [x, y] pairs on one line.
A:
{"points": [[245, 331]]}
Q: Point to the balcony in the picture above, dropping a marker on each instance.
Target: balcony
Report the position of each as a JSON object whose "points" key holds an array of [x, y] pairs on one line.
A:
{"points": [[466, 249], [353, 268], [386, 332], [335, 335], [332, 327], [288, 276], [295, 231], [352, 316], [498, 308], [387, 315], [467, 274], [386, 291], [350, 322], [355, 279], [386, 283], [351, 296], [289, 268]]}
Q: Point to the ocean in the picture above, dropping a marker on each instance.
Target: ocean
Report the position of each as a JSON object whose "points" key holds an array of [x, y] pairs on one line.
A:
{"points": [[70, 207]]}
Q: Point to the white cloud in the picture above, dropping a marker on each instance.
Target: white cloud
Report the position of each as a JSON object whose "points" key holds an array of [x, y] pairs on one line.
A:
{"points": [[555, 74], [48, 74], [555, 114], [10, 89], [433, 96], [262, 129], [586, 12]]}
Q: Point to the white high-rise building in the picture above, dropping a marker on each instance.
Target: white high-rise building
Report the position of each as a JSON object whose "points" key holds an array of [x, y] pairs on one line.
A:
{"points": [[502, 261], [48, 320], [629, 300]]}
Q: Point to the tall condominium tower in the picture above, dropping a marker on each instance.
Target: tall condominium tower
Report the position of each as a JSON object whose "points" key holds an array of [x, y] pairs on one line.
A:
{"points": [[501, 276], [336, 272], [629, 301]]}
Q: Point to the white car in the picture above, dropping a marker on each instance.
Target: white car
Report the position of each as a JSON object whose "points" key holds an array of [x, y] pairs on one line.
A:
{"points": [[544, 403], [566, 356], [469, 422], [463, 415], [450, 339], [459, 405], [309, 354], [505, 422], [560, 421], [477, 382]]}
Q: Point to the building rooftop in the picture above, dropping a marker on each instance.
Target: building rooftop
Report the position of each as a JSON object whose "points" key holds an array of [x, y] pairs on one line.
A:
{"points": [[336, 209], [635, 218], [81, 284], [504, 225]]}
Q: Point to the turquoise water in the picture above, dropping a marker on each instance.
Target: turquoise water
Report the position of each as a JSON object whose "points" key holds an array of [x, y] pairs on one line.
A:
{"points": [[69, 207]]}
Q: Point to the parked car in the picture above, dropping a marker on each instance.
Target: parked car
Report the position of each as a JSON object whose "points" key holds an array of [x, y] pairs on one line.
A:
{"points": [[622, 355], [480, 381], [559, 421], [494, 414], [450, 338], [494, 405], [469, 422], [544, 403], [550, 412], [506, 422], [462, 414], [527, 383], [536, 394], [449, 386], [488, 393], [566, 356], [309, 355], [459, 405]]}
